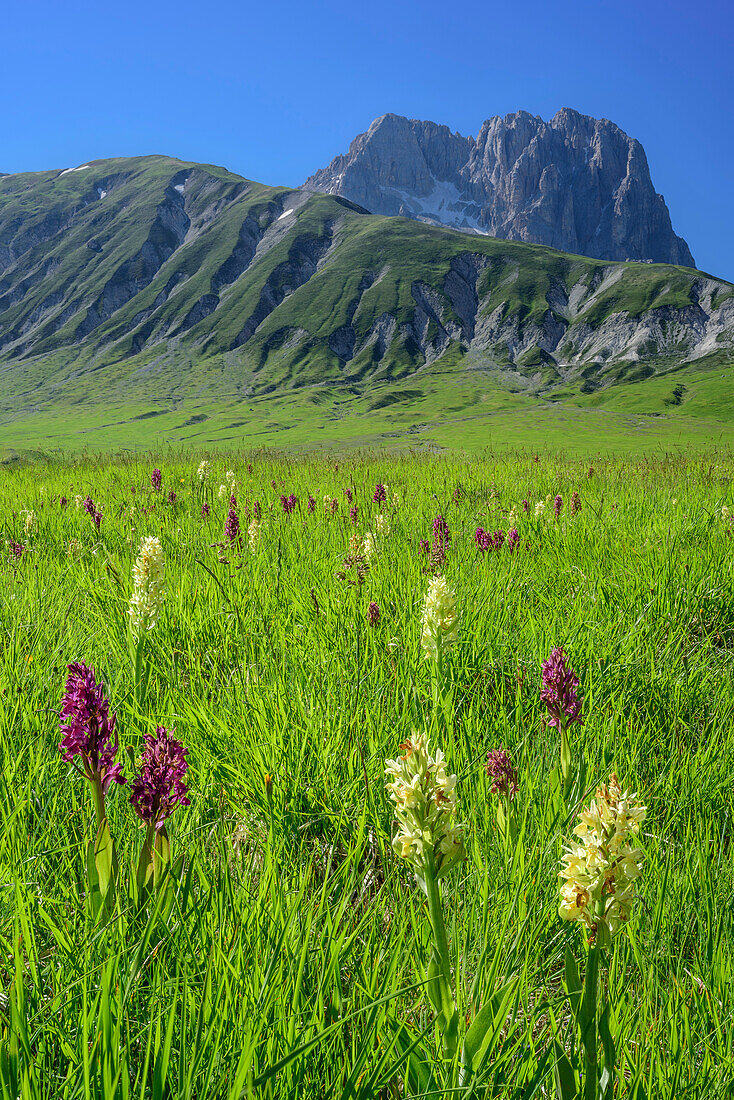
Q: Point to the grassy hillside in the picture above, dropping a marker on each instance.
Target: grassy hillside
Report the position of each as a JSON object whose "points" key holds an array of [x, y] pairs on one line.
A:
{"points": [[150, 285]]}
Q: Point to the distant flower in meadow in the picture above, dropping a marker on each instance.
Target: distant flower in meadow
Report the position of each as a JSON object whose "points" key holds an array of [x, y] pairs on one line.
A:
{"points": [[171, 497], [483, 539], [204, 471], [373, 614], [502, 773], [156, 479], [368, 546], [349, 495], [222, 491], [441, 533], [232, 526], [78, 501], [89, 506], [559, 691], [331, 505], [425, 808], [230, 476], [311, 504], [591, 472], [148, 586], [257, 510], [557, 506], [486, 542], [380, 494], [356, 564], [63, 501], [253, 534], [425, 546], [382, 526], [440, 622], [31, 523], [74, 548], [575, 506], [513, 539], [354, 514], [87, 729], [288, 503], [205, 510], [526, 506], [159, 786], [17, 549], [598, 873]]}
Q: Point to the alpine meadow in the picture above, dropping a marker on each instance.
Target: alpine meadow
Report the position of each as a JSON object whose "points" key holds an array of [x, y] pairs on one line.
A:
{"points": [[365, 777]]}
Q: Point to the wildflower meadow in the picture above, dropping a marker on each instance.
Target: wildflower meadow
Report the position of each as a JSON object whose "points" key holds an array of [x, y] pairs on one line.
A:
{"points": [[366, 776]]}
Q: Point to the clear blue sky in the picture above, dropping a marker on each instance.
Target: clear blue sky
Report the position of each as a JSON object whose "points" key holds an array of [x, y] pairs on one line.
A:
{"points": [[274, 90]]}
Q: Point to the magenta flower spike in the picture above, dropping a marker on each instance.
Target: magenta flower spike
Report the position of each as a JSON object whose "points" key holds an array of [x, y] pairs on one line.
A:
{"points": [[559, 692], [502, 773], [232, 526], [159, 787], [88, 731], [373, 614], [380, 494], [156, 479]]}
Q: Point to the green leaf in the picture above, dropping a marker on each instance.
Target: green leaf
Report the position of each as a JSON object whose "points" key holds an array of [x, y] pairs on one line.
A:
{"points": [[485, 1028], [563, 1074], [94, 897], [572, 982], [418, 1073], [434, 982], [607, 1074], [104, 857], [161, 856]]}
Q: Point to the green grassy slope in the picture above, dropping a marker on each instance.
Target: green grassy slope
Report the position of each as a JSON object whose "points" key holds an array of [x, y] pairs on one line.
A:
{"points": [[152, 284]]}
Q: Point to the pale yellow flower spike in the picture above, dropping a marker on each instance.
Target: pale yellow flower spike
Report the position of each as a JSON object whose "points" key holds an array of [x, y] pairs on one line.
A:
{"points": [[148, 588], [440, 622], [598, 871]]}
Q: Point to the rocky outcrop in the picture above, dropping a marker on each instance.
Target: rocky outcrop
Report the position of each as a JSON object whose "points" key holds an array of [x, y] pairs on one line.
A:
{"points": [[575, 183]]}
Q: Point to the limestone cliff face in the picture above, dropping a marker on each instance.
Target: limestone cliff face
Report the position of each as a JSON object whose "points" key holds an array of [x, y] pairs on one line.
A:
{"points": [[575, 183]]}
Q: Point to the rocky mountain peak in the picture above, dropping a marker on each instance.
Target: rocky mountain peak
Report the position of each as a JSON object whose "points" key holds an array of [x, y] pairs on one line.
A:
{"points": [[576, 183]]}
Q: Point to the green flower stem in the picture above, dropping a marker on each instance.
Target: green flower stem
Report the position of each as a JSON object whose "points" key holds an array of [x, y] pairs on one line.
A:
{"points": [[99, 806], [565, 760], [139, 652], [589, 1036], [435, 911]]}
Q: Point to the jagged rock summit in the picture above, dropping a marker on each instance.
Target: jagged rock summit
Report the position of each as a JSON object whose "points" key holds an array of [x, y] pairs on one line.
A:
{"points": [[575, 183]]}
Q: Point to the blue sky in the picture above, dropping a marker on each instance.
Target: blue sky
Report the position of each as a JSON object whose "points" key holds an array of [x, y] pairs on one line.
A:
{"points": [[275, 90]]}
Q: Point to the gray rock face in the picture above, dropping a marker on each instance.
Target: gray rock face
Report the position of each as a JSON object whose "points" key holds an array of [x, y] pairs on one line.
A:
{"points": [[575, 183]]}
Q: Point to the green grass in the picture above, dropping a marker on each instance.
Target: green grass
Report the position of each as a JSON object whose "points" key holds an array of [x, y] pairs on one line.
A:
{"points": [[444, 408], [293, 962]]}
